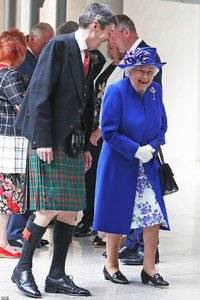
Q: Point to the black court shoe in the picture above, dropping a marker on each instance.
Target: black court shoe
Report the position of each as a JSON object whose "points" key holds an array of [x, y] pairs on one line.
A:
{"points": [[117, 277], [156, 279]]}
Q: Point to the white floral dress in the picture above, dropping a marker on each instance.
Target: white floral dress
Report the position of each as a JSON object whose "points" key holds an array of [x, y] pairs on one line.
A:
{"points": [[147, 210]]}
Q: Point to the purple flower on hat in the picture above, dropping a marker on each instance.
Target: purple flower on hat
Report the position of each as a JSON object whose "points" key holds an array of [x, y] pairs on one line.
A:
{"points": [[130, 58], [141, 57]]}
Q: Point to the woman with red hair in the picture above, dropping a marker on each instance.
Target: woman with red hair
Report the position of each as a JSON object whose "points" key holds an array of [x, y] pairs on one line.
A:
{"points": [[12, 146]]}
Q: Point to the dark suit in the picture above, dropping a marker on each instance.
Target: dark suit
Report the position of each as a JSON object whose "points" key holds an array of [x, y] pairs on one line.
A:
{"points": [[27, 67], [57, 96], [134, 240], [17, 223]]}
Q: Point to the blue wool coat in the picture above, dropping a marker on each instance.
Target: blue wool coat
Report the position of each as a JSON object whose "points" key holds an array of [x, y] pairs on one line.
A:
{"points": [[128, 121]]}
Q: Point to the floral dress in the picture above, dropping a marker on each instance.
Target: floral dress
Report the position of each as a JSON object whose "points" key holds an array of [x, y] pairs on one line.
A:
{"points": [[11, 193], [147, 211]]}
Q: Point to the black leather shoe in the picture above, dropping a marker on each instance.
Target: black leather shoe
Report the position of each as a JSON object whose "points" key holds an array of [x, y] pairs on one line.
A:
{"points": [[26, 283], [98, 242], [137, 259], [19, 243], [64, 285], [43, 243], [104, 254], [125, 252], [82, 230], [117, 277], [156, 279], [16, 243]]}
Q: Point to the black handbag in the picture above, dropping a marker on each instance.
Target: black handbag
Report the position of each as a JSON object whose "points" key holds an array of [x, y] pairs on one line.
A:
{"points": [[168, 182], [75, 142]]}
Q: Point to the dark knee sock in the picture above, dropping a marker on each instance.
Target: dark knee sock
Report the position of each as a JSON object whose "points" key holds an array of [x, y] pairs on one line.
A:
{"points": [[32, 235], [62, 236]]}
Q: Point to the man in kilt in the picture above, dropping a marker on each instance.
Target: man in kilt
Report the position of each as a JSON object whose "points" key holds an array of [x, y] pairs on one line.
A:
{"points": [[40, 34], [59, 100]]}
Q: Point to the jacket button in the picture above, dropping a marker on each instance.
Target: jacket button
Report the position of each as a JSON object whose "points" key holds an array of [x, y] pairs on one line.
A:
{"points": [[70, 126], [34, 142], [79, 111]]}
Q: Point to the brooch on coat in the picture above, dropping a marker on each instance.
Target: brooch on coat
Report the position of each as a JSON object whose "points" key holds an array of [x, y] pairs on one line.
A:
{"points": [[93, 58], [153, 91]]}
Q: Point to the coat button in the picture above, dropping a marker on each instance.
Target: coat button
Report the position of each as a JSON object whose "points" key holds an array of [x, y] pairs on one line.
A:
{"points": [[34, 142], [70, 126], [79, 111]]}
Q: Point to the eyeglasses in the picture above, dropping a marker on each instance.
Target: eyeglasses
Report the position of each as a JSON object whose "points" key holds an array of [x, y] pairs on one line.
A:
{"points": [[149, 73]]}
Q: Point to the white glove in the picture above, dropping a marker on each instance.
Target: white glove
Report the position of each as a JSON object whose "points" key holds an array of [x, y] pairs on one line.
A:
{"points": [[145, 153]]}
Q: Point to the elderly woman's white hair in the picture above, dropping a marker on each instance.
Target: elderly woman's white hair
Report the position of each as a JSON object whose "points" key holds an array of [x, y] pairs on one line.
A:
{"points": [[129, 70], [141, 57]]}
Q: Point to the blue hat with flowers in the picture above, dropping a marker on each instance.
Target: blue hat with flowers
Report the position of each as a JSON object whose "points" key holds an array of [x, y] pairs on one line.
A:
{"points": [[141, 57]]}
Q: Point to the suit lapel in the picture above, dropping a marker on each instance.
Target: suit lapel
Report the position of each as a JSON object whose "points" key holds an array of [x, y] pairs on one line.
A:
{"points": [[76, 66]]}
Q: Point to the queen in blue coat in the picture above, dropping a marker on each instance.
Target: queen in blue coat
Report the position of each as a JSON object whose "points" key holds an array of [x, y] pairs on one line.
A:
{"points": [[128, 188]]}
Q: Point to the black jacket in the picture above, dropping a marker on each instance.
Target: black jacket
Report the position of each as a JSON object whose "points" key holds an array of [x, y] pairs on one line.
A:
{"points": [[27, 68], [57, 96]]}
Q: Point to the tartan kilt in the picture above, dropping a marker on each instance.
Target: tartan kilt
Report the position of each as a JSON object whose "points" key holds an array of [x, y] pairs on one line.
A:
{"points": [[58, 186]]}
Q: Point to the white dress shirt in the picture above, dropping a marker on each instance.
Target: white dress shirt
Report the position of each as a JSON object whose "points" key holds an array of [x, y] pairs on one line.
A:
{"points": [[81, 43]]}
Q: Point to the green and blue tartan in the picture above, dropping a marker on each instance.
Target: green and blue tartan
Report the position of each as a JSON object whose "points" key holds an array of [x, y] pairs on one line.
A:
{"points": [[58, 186]]}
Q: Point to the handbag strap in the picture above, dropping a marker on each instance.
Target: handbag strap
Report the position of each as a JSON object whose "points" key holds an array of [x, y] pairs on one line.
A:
{"points": [[161, 156]]}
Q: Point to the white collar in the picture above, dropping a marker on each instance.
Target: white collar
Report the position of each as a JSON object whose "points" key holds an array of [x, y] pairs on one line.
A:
{"points": [[135, 45], [29, 49], [81, 42]]}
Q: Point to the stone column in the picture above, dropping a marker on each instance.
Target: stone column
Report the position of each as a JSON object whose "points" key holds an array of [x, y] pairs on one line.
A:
{"points": [[1, 15], [61, 9], [29, 13], [9, 13], [48, 12]]}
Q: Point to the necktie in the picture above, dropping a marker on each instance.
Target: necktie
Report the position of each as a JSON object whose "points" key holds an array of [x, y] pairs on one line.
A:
{"points": [[86, 63]]}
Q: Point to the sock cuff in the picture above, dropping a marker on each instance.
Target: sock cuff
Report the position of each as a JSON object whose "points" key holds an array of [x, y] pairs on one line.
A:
{"points": [[58, 225], [32, 227], [30, 220]]}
